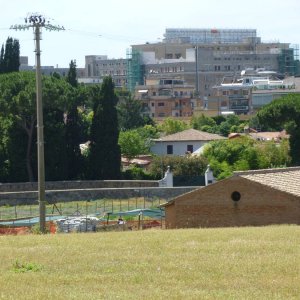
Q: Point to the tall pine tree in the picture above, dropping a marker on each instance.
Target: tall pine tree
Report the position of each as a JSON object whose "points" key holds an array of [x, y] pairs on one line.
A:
{"points": [[105, 153]]}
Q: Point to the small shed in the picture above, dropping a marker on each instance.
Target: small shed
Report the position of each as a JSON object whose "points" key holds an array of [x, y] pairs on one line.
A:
{"points": [[249, 198]]}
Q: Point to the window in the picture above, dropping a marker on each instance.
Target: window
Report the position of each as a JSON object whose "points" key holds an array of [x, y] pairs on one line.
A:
{"points": [[235, 196], [190, 148], [169, 149], [161, 104], [152, 104]]}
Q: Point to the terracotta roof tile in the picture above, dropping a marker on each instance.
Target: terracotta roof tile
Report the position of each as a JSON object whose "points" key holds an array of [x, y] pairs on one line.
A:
{"points": [[284, 179], [191, 135]]}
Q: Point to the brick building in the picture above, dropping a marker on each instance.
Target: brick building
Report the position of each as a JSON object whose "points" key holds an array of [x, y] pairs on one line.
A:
{"points": [[249, 198]]}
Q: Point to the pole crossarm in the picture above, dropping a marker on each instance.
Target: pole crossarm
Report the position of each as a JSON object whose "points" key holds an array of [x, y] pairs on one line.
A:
{"points": [[37, 21]]}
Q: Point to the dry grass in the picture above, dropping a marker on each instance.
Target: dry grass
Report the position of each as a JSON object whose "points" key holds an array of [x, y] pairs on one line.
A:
{"points": [[233, 263]]}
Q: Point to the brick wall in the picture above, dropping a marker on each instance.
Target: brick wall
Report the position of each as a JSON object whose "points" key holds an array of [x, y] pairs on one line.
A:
{"points": [[212, 206]]}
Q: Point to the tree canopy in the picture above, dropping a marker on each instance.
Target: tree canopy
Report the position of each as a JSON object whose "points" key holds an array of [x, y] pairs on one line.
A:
{"points": [[284, 113], [244, 153], [18, 121]]}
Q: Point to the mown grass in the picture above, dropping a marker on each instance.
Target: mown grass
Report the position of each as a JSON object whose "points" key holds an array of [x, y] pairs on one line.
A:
{"points": [[228, 263]]}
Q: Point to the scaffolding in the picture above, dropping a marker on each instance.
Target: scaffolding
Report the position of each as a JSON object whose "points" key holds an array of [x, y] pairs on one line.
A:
{"points": [[288, 61], [210, 35], [135, 70]]}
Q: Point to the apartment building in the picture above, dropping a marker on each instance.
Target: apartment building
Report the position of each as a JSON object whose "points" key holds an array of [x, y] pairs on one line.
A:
{"points": [[167, 98], [202, 57], [246, 94], [100, 66]]}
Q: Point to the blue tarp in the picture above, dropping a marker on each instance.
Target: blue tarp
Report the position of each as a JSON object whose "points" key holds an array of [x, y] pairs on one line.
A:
{"points": [[152, 213]]}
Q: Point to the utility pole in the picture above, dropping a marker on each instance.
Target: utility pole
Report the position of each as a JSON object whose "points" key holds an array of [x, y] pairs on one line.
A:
{"points": [[37, 22]]}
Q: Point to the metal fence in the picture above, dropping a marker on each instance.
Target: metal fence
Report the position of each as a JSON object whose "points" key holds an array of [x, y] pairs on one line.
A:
{"points": [[80, 208]]}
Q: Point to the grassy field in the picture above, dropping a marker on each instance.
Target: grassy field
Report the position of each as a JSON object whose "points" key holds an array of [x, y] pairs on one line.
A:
{"points": [[230, 263]]}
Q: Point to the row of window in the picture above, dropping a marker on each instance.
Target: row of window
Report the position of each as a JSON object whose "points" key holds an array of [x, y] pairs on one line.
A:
{"points": [[189, 149], [171, 55], [112, 64], [113, 72], [242, 58], [174, 69], [235, 92], [160, 104]]}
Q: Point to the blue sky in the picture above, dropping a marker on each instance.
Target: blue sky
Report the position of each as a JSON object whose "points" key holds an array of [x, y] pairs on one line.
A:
{"points": [[110, 27]]}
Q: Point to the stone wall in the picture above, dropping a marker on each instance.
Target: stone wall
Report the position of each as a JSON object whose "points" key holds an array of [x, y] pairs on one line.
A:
{"points": [[76, 184], [30, 197]]}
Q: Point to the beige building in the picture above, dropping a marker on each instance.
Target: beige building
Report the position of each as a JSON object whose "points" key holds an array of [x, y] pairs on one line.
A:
{"points": [[183, 142], [167, 98], [99, 66], [250, 198], [243, 98]]}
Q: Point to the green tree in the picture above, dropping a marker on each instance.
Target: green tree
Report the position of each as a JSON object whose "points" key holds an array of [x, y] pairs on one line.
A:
{"points": [[73, 135], [105, 154], [2, 60], [130, 113], [18, 115], [132, 144], [72, 74], [244, 153], [204, 123], [10, 57], [180, 165], [281, 114], [170, 126], [231, 124]]}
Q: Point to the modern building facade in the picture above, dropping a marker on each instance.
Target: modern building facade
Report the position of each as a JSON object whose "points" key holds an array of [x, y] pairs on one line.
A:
{"points": [[202, 57], [100, 66], [246, 94]]}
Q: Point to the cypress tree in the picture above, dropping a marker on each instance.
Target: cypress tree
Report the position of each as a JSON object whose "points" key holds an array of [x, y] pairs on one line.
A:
{"points": [[105, 153], [2, 60], [72, 133], [72, 74], [11, 57]]}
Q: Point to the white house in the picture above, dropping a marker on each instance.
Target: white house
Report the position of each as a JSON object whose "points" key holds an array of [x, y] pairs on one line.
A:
{"points": [[180, 143]]}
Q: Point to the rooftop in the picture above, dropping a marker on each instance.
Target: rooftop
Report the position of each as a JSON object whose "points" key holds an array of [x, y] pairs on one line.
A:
{"points": [[191, 135], [282, 179]]}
